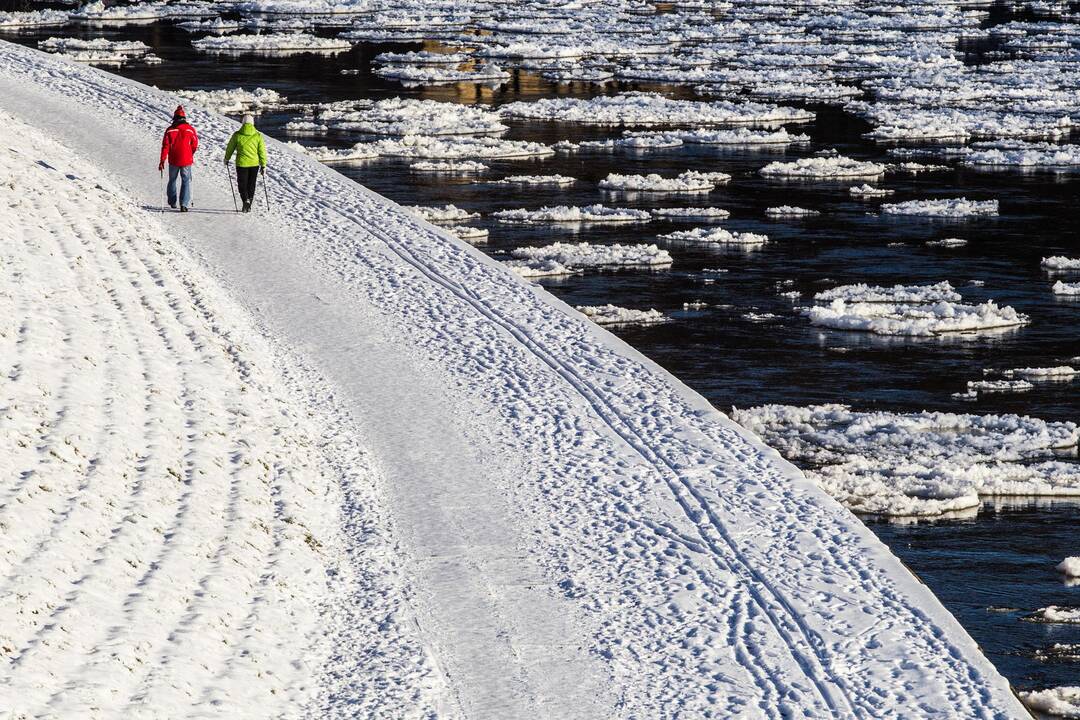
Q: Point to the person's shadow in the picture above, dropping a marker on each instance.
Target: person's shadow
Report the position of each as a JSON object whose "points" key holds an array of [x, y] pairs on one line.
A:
{"points": [[203, 211]]}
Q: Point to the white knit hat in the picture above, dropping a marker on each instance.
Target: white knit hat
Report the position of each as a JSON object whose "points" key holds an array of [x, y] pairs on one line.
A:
{"points": [[249, 118]]}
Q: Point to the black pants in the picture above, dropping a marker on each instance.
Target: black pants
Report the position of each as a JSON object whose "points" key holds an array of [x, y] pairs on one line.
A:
{"points": [[246, 177]]}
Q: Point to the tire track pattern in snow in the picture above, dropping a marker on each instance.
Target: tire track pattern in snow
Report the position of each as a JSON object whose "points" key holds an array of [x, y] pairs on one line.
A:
{"points": [[716, 581], [167, 521]]}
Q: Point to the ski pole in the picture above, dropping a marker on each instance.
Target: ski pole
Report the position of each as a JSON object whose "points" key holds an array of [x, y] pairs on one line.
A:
{"points": [[266, 193], [228, 171], [163, 196]]}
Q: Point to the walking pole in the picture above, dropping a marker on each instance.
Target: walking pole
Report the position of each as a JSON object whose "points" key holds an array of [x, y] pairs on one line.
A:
{"points": [[266, 193], [228, 172], [163, 197]]}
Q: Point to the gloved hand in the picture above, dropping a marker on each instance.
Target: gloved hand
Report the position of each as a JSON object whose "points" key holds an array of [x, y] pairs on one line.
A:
{"points": [[226, 161], [161, 167], [262, 170]]}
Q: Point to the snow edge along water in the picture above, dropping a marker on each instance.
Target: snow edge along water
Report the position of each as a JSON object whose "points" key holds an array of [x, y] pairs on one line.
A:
{"points": [[997, 700]]}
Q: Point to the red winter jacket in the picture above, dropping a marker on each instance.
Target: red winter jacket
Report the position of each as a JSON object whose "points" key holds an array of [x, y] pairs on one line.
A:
{"points": [[179, 145]]}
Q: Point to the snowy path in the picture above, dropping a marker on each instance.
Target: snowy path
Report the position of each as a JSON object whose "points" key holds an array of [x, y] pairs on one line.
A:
{"points": [[562, 530]]}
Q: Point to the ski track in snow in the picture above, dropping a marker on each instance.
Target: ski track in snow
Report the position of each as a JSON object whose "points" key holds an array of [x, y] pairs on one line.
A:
{"points": [[625, 550]]}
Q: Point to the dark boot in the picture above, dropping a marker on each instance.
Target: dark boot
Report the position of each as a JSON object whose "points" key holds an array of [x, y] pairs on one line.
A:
{"points": [[183, 208], [247, 206]]}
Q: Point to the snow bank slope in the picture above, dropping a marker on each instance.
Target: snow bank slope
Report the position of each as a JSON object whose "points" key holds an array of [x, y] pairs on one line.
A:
{"points": [[585, 536], [169, 523]]}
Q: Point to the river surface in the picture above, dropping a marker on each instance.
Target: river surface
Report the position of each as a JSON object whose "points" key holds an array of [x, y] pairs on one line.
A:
{"points": [[750, 346]]}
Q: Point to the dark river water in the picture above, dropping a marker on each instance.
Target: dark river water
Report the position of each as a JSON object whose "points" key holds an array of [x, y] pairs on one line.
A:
{"points": [[989, 570]]}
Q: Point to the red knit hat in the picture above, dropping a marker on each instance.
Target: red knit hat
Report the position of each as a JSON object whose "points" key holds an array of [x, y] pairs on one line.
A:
{"points": [[180, 112]]}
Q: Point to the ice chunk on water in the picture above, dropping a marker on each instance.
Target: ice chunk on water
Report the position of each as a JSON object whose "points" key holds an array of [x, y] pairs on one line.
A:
{"points": [[463, 167], [1060, 262], [691, 213], [235, 100], [271, 44], [643, 109], [1060, 701], [951, 207], [868, 191], [861, 292], [823, 167], [615, 315], [688, 182], [1070, 566], [565, 214], [790, 211], [715, 236], [999, 386], [1061, 372], [914, 319], [1056, 614], [919, 463], [573, 257], [444, 214], [1062, 288], [553, 180], [440, 148]]}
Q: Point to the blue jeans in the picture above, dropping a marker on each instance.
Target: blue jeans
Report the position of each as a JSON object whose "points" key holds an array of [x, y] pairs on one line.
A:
{"points": [[185, 185]]}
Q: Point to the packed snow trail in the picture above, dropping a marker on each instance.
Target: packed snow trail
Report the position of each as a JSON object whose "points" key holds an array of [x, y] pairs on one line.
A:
{"points": [[568, 531]]}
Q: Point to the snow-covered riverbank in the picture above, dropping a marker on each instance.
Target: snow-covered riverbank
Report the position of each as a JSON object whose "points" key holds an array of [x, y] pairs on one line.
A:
{"points": [[545, 524]]}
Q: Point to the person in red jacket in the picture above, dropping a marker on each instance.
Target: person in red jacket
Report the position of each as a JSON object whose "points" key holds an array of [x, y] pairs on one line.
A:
{"points": [[178, 146]]}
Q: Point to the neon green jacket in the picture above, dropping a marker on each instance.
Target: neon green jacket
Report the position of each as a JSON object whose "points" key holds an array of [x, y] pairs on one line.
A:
{"points": [[247, 143]]}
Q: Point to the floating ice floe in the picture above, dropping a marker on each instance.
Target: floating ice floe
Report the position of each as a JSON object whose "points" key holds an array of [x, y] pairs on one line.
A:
{"points": [[569, 258], [1069, 566], [215, 26], [863, 293], [736, 136], [947, 243], [1060, 262], [790, 211], [416, 75], [912, 464], [398, 117], [641, 109], [714, 236], [688, 182], [691, 213], [1063, 288], [458, 148], [823, 168], [360, 151], [463, 167], [999, 386], [271, 44], [1059, 701], [33, 19], [565, 214], [615, 315], [1056, 614], [949, 208], [236, 100], [868, 191], [100, 51], [468, 234], [1044, 374], [1025, 155], [98, 13], [540, 180], [914, 320], [422, 57], [1059, 652], [446, 214]]}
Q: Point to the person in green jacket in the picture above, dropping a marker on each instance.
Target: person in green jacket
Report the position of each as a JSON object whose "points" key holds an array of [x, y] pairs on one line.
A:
{"points": [[247, 143]]}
